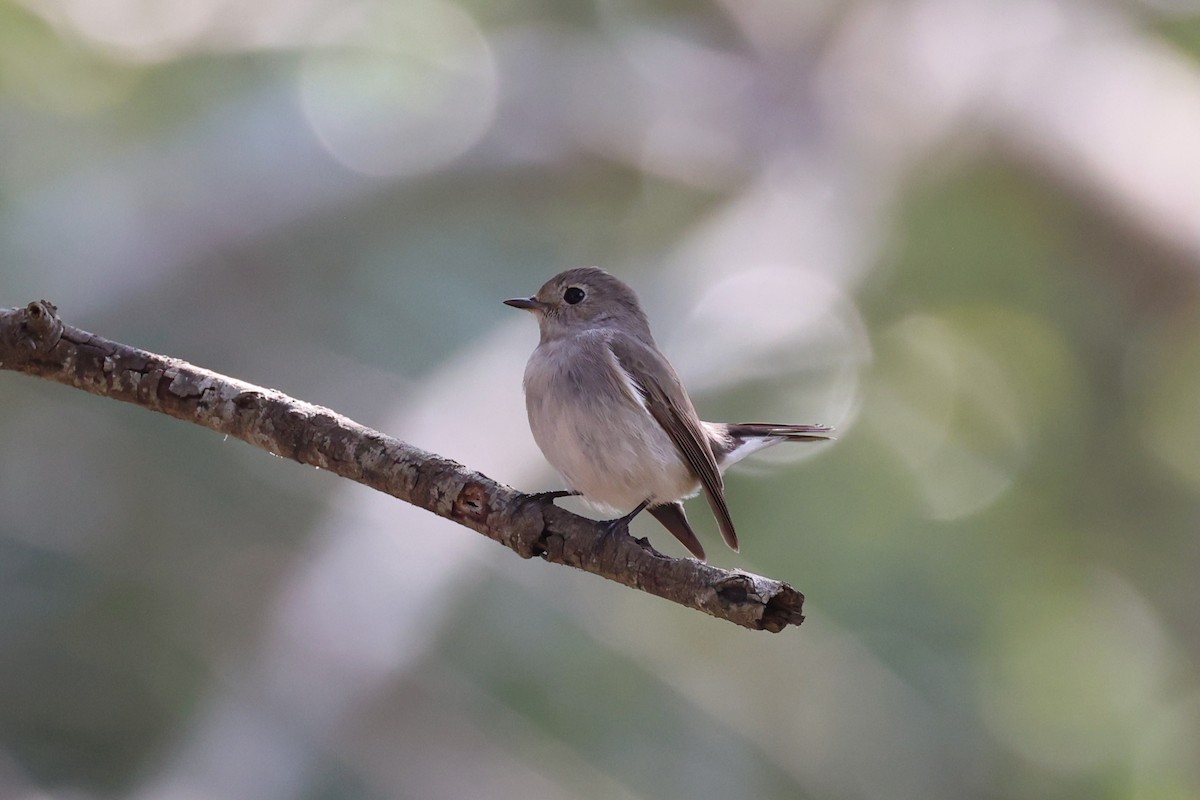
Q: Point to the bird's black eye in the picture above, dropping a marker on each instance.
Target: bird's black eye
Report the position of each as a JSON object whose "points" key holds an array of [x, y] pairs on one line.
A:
{"points": [[573, 294]]}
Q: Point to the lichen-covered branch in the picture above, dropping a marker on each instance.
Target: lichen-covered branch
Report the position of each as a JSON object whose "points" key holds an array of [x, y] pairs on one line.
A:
{"points": [[33, 340]]}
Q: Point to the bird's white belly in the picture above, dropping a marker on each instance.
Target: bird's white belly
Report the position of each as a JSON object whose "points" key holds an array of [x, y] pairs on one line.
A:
{"points": [[615, 465], [606, 446]]}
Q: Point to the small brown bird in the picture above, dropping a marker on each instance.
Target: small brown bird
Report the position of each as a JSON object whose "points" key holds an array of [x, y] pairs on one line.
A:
{"points": [[612, 417]]}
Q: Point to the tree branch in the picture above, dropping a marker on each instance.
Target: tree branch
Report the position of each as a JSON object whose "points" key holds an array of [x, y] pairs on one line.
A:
{"points": [[34, 341]]}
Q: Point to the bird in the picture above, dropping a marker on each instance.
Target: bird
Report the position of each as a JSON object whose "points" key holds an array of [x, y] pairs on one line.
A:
{"points": [[610, 414]]}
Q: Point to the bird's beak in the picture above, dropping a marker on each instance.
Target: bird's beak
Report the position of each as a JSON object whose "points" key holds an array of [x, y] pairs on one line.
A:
{"points": [[524, 303]]}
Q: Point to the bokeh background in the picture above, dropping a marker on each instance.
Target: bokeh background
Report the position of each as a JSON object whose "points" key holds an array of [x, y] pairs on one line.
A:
{"points": [[966, 232]]}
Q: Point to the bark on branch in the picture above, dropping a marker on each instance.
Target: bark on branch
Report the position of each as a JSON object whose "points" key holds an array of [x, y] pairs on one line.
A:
{"points": [[33, 340]]}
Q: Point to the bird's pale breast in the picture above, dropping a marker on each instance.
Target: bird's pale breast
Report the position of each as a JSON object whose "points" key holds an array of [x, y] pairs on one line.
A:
{"points": [[588, 419]]}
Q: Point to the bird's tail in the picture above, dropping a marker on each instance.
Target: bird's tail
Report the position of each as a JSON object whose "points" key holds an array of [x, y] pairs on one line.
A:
{"points": [[790, 433], [736, 440]]}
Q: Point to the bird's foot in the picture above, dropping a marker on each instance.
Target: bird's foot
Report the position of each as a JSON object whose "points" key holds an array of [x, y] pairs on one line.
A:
{"points": [[542, 498], [620, 525], [613, 527]]}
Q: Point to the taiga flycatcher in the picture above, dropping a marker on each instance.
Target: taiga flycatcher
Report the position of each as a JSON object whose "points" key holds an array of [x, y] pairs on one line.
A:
{"points": [[610, 414]]}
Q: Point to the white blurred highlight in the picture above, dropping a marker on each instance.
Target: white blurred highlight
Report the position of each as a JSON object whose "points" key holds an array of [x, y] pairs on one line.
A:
{"points": [[767, 323], [767, 281], [1130, 136], [1075, 89], [795, 331], [136, 30], [394, 91], [149, 32], [939, 378]]}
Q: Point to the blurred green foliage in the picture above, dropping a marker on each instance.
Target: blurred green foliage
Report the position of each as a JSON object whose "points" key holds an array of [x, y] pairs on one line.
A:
{"points": [[999, 552]]}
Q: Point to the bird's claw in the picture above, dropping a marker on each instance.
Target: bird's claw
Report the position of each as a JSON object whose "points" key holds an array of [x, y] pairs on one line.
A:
{"points": [[542, 498]]}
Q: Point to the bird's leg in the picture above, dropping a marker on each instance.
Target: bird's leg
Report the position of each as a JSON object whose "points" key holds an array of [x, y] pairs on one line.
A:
{"points": [[550, 497], [611, 527]]}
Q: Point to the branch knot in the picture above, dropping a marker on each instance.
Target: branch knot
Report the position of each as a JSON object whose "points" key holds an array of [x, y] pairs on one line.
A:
{"points": [[40, 326]]}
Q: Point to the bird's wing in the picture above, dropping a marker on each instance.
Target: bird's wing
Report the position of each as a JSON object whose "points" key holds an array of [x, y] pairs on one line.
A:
{"points": [[668, 403]]}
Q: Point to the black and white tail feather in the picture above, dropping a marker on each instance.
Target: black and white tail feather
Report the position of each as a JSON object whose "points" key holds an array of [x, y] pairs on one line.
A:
{"points": [[731, 442]]}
